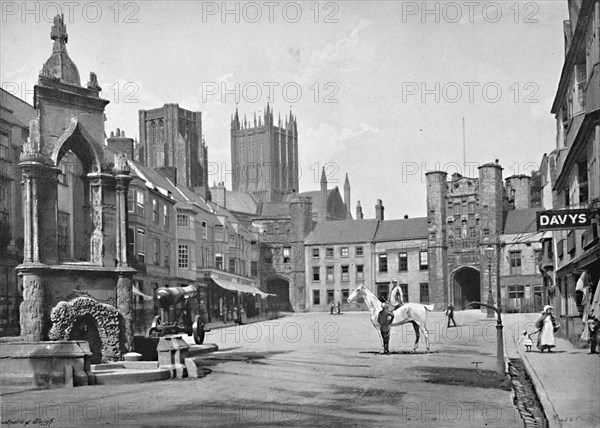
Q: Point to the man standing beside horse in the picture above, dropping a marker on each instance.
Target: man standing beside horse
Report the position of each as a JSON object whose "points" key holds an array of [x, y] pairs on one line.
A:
{"points": [[386, 316]]}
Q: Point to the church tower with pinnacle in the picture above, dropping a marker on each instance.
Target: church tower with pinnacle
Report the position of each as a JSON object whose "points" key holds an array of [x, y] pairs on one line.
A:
{"points": [[264, 156]]}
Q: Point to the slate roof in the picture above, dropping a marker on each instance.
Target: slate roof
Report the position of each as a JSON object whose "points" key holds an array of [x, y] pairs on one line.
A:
{"points": [[240, 202], [521, 221], [403, 229], [183, 196], [342, 232]]}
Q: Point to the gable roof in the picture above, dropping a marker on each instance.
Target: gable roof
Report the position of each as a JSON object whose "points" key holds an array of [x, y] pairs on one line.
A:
{"points": [[521, 221], [403, 229], [342, 232]]}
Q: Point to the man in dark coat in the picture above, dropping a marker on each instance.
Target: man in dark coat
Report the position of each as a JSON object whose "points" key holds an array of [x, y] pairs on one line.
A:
{"points": [[450, 315], [384, 319]]}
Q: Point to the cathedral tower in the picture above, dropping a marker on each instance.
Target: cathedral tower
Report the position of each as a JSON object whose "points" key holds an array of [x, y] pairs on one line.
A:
{"points": [[264, 156]]}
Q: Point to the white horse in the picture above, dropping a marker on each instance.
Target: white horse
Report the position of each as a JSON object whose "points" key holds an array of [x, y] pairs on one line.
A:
{"points": [[414, 313]]}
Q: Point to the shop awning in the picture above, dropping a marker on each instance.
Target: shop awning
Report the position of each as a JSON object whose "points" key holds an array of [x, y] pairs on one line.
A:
{"points": [[236, 286]]}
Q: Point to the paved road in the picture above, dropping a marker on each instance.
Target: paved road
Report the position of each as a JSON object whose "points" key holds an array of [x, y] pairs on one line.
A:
{"points": [[303, 370]]}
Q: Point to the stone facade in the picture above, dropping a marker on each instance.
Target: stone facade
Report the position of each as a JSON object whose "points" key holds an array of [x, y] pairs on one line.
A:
{"points": [[14, 130]]}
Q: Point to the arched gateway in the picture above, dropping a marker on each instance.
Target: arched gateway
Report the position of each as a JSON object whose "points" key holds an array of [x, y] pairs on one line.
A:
{"points": [[465, 282], [280, 287]]}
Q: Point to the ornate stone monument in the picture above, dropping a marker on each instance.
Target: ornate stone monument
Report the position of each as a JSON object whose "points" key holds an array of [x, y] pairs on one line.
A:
{"points": [[71, 121]]}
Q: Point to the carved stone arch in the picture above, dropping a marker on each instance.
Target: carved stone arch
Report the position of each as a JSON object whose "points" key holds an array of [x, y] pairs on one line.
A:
{"points": [[108, 322], [76, 139]]}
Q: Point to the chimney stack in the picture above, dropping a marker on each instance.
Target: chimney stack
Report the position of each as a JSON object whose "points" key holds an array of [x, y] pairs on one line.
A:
{"points": [[359, 213], [119, 143], [379, 210]]}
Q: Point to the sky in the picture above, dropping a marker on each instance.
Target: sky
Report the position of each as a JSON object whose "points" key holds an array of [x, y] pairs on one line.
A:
{"points": [[380, 89]]}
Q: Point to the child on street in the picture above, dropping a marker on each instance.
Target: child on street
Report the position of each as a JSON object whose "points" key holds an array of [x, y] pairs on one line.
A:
{"points": [[526, 339]]}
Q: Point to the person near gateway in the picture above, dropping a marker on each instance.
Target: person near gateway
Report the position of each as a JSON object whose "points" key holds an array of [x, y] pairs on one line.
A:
{"points": [[450, 315]]}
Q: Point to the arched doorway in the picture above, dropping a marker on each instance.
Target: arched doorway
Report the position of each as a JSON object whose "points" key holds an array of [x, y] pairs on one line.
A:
{"points": [[466, 286], [280, 287]]}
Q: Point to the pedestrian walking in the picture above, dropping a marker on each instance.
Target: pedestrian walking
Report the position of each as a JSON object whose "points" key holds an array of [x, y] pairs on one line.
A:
{"points": [[331, 307], [450, 315], [547, 326], [338, 307]]}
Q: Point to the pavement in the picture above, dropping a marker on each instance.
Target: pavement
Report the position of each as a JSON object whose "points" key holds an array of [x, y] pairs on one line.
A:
{"points": [[318, 369], [566, 380]]}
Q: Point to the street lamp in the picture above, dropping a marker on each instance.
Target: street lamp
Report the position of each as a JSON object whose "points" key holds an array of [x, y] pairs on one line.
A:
{"points": [[489, 254], [500, 367]]}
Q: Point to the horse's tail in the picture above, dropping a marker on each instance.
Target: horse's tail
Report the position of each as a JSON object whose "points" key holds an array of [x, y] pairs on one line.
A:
{"points": [[429, 307]]}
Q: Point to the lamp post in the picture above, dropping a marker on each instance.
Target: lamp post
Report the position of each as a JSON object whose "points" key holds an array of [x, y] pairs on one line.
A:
{"points": [[500, 366], [489, 254]]}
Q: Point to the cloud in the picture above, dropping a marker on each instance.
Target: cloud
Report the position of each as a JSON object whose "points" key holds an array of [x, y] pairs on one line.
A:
{"points": [[347, 54], [327, 140]]}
